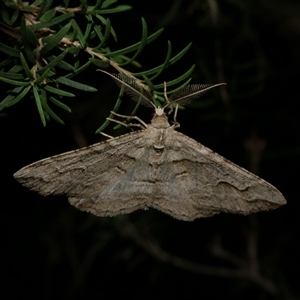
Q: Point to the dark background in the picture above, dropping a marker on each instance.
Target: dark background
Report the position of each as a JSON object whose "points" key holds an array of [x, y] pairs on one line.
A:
{"points": [[51, 250]]}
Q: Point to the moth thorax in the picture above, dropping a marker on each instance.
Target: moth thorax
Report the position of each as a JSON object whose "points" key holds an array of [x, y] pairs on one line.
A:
{"points": [[160, 121]]}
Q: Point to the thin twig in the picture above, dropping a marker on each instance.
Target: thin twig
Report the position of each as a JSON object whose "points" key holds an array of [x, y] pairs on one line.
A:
{"points": [[153, 248]]}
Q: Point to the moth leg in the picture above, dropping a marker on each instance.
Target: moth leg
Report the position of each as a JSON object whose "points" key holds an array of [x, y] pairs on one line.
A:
{"points": [[106, 135], [170, 111], [165, 94], [142, 125], [175, 114], [175, 125], [126, 125]]}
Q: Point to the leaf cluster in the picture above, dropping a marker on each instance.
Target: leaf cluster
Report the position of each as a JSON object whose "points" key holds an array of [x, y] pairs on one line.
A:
{"points": [[47, 45]]}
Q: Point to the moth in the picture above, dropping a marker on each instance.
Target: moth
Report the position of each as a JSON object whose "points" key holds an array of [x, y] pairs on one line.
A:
{"points": [[156, 167]]}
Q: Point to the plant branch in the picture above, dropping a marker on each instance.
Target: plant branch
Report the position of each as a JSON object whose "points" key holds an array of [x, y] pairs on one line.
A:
{"points": [[152, 247]]}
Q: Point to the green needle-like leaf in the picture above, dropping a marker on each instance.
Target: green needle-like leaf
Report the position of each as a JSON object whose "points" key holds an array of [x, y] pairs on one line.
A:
{"points": [[50, 112], [83, 3], [54, 41], [25, 66], [104, 21], [117, 9], [11, 4], [166, 62], [58, 91], [14, 82], [175, 58], [25, 39], [99, 63], [177, 80], [41, 78], [76, 85], [14, 16], [97, 5], [135, 46], [53, 63], [5, 62], [47, 16], [52, 22], [32, 39], [142, 43], [79, 69], [39, 105], [103, 38], [79, 33], [62, 64], [12, 94], [16, 69], [60, 104], [45, 5], [107, 3], [9, 50], [108, 31], [171, 62], [19, 97], [5, 15], [11, 75], [74, 50], [149, 83]]}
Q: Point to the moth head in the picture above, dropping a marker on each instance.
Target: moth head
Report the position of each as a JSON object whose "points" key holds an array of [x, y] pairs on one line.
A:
{"points": [[159, 111]]}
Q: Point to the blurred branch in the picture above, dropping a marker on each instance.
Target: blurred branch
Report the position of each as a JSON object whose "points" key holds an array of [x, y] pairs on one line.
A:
{"points": [[243, 270], [214, 13]]}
